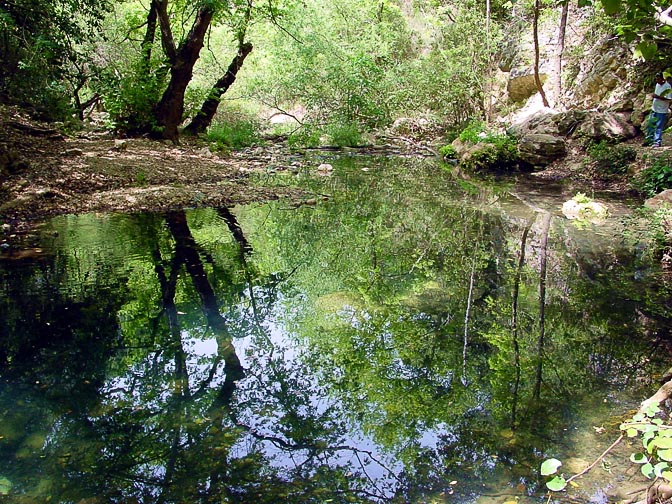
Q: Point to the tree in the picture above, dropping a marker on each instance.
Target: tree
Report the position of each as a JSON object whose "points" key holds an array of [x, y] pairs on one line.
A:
{"points": [[38, 46], [535, 33], [168, 112]]}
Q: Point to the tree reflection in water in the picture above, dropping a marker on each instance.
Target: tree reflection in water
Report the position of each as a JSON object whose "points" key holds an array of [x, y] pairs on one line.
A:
{"points": [[314, 357]]}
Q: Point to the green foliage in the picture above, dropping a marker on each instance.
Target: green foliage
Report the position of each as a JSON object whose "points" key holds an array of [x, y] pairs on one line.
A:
{"points": [[656, 177], [656, 438], [344, 134], [129, 97], [473, 133], [38, 51], [305, 137], [499, 152], [236, 134], [448, 152], [609, 159]]}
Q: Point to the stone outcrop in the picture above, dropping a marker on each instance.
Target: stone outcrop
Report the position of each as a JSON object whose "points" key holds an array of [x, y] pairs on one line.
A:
{"points": [[541, 149]]}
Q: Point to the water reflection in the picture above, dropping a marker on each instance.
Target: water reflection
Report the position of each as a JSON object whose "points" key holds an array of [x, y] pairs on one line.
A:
{"points": [[382, 346]]}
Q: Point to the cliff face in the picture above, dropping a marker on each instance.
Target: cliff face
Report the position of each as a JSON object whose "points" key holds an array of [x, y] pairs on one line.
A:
{"points": [[598, 70]]}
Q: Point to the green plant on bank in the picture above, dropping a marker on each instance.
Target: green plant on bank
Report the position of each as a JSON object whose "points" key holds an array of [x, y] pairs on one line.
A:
{"points": [[609, 159], [345, 134], [304, 138], [141, 178], [234, 135], [654, 459], [656, 177], [448, 152]]}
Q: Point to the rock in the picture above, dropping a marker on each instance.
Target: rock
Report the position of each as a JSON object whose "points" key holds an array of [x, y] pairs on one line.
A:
{"points": [[608, 126], [205, 152], [660, 200], [595, 125], [523, 86], [120, 145], [73, 152], [540, 149], [325, 169], [591, 211]]}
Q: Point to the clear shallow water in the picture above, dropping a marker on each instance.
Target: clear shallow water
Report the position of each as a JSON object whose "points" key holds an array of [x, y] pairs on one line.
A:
{"points": [[357, 350]]}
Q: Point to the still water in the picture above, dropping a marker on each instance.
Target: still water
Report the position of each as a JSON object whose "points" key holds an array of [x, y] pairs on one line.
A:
{"points": [[379, 344]]}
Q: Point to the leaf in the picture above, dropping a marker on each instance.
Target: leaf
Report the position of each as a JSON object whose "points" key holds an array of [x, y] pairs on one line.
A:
{"points": [[663, 442], [556, 484], [631, 432], [550, 466], [647, 470], [646, 50], [5, 486], [659, 468], [611, 6], [667, 475], [638, 458]]}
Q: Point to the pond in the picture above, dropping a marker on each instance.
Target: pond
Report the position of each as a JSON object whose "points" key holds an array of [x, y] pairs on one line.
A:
{"points": [[384, 342]]}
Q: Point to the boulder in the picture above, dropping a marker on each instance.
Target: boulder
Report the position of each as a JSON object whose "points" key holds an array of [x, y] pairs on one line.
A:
{"points": [[608, 126], [541, 149], [660, 200], [523, 86]]}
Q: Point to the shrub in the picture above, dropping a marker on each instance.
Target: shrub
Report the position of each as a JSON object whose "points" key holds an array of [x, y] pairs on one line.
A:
{"points": [[493, 157], [345, 134], [656, 177], [473, 133], [234, 135], [608, 159], [130, 98], [305, 137], [448, 152]]}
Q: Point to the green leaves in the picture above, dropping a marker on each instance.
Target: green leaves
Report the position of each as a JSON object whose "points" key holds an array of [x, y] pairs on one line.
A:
{"points": [[656, 439], [550, 467], [611, 6], [646, 49]]}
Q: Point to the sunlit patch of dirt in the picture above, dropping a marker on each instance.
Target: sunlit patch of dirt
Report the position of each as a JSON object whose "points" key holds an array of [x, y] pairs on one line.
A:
{"points": [[44, 173]]}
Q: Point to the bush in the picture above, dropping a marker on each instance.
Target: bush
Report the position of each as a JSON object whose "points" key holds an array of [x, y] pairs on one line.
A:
{"points": [[656, 177], [608, 159], [500, 157], [305, 137], [448, 152], [344, 134], [234, 135], [130, 99], [473, 133]]}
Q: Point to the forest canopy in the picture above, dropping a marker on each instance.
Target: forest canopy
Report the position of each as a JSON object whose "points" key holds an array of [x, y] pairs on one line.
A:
{"points": [[168, 67]]}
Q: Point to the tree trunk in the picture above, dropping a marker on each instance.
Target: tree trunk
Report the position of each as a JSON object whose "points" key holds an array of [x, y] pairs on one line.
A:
{"points": [[514, 327], [204, 116], [148, 40], [535, 32], [560, 49], [546, 223], [168, 112]]}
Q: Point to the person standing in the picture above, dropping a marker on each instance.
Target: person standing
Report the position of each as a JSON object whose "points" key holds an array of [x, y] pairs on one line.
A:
{"points": [[659, 109]]}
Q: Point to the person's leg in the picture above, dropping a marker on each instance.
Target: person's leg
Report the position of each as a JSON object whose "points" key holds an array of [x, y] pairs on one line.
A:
{"points": [[650, 128], [661, 119]]}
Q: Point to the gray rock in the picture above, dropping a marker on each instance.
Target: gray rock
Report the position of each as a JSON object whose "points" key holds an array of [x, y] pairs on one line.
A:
{"points": [[540, 149]]}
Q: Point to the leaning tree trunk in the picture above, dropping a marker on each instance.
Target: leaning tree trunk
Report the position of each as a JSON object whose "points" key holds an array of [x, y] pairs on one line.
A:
{"points": [[168, 112], [204, 116], [535, 26]]}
